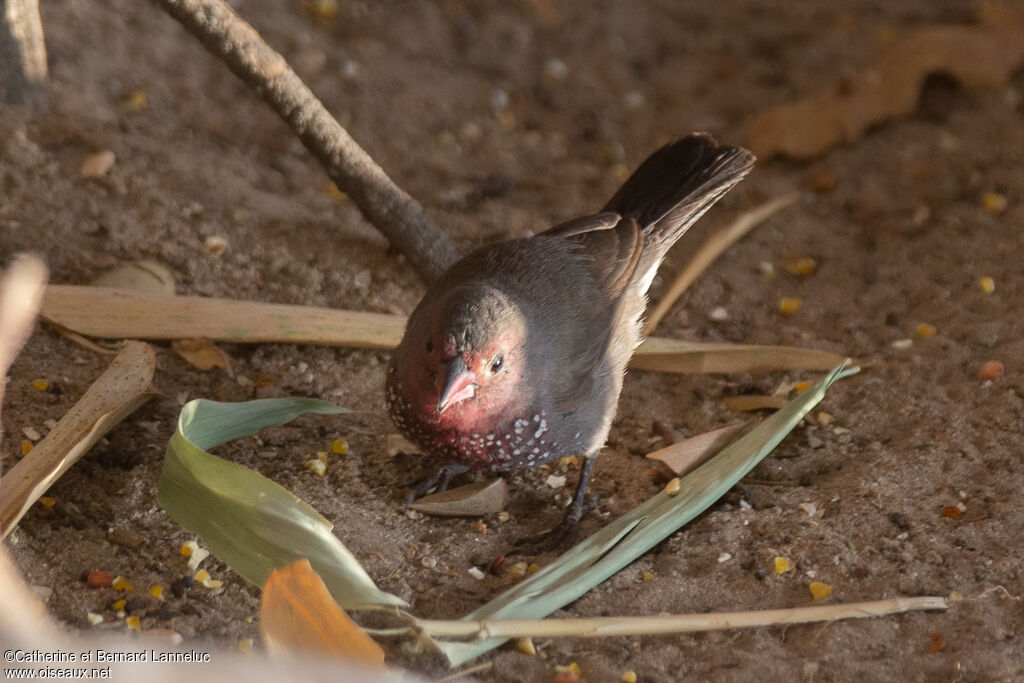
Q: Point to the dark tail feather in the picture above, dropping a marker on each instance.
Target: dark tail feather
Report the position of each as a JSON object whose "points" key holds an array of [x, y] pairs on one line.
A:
{"points": [[677, 184]]}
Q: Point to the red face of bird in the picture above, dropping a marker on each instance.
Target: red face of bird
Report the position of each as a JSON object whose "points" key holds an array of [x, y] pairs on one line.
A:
{"points": [[470, 360]]}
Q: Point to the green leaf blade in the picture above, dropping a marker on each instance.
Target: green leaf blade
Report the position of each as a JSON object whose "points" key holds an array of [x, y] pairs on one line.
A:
{"points": [[609, 550], [249, 522]]}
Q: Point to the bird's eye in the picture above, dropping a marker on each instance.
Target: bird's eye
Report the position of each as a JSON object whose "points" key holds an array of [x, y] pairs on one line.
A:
{"points": [[430, 346], [496, 364]]}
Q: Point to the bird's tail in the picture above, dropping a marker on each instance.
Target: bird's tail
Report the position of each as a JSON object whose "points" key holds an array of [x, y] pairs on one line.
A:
{"points": [[676, 185]]}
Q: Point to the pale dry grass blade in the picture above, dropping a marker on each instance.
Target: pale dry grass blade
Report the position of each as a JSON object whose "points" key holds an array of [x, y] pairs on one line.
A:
{"points": [[595, 627], [127, 314], [116, 394]]}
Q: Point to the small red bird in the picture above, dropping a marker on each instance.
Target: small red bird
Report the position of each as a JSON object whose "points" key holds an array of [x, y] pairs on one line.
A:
{"points": [[515, 356]]}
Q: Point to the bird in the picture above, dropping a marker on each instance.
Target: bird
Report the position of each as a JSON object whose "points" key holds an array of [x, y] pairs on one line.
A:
{"points": [[515, 356]]}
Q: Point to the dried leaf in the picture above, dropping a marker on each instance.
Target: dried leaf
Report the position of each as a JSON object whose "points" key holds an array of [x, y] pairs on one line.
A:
{"points": [[298, 615], [115, 395], [685, 455], [751, 402], [671, 355], [149, 277], [979, 56], [471, 500], [203, 354]]}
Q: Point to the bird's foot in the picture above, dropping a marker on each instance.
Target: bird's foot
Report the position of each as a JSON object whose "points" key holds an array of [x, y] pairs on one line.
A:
{"points": [[433, 483], [554, 539]]}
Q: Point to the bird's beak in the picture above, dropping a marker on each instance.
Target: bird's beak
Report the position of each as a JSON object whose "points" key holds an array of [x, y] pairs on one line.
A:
{"points": [[459, 385]]}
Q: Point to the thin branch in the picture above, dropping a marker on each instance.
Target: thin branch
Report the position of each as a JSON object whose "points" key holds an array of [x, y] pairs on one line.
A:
{"points": [[679, 623], [389, 208], [712, 249]]}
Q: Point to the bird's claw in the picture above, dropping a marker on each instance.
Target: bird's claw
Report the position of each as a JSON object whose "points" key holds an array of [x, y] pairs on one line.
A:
{"points": [[433, 483]]}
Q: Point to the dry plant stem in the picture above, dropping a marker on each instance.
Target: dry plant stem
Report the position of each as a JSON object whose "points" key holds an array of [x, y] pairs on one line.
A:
{"points": [[390, 209], [119, 314], [111, 398], [21, 290], [681, 623], [22, 52], [712, 249]]}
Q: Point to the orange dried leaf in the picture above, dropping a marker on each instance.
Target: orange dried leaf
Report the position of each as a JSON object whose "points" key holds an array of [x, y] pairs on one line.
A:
{"points": [[951, 511], [298, 615]]}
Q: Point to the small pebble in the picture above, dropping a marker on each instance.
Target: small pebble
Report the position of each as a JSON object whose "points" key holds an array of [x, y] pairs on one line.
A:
{"points": [[503, 516], [31, 434], [94, 619], [724, 557], [987, 284], [98, 165], [99, 579], [992, 370], [476, 573], [556, 69], [902, 343], [555, 481], [926, 330], [428, 562], [216, 245], [718, 314], [782, 565]]}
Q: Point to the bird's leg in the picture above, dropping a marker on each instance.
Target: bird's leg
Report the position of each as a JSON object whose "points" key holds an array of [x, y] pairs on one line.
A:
{"points": [[569, 526], [433, 483]]}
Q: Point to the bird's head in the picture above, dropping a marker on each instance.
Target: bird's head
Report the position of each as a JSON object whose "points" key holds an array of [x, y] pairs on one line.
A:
{"points": [[464, 358]]}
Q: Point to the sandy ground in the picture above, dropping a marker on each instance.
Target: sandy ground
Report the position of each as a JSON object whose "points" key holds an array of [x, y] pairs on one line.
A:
{"points": [[502, 123]]}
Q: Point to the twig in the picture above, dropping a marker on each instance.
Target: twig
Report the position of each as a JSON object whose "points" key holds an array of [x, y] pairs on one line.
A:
{"points": [[712, 249], [679, 623], [389, 208]]}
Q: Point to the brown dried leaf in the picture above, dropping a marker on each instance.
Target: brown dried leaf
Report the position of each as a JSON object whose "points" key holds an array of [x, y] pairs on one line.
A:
{"points": [[203, 354], [984, 55], [471, 500], [298, 615], [685, 455]]}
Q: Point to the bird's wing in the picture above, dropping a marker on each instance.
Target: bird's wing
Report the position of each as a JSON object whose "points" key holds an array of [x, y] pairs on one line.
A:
{"points": [[609, 246]]}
